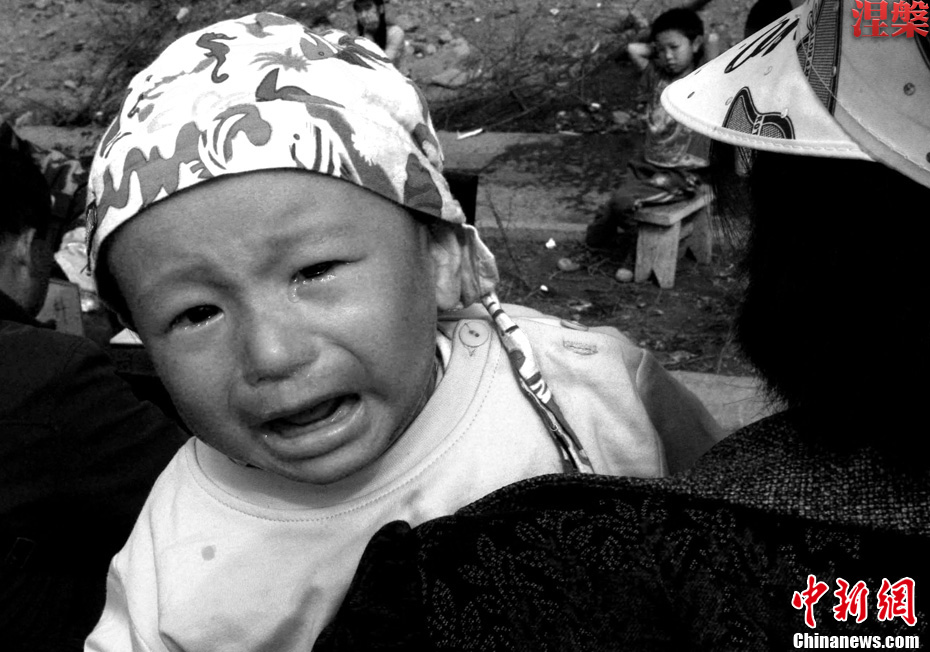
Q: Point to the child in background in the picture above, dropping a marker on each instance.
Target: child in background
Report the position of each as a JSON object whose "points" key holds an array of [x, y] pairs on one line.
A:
{"points": [[372, 23], [268, 212], [673, 155]]}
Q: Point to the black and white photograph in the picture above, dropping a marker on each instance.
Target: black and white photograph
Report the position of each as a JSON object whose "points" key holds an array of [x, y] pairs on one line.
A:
{"points": [[464, 325]]}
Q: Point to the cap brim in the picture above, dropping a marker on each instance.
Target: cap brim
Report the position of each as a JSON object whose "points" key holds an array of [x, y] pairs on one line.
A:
{"points": [[756, 95], [806, 85]]}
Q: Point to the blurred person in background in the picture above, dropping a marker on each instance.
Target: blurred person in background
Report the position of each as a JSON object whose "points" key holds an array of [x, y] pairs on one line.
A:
{"points": [[78, 451], [373, 24]]}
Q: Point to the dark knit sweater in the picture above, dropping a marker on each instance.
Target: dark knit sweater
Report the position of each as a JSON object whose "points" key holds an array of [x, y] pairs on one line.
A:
{"points": [[708, 560], [78, 455]]}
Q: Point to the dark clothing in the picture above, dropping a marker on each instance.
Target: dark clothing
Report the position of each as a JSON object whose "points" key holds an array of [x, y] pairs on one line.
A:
{"points": [[643, 184], [66, 177], [708, 560], [78, 455]]}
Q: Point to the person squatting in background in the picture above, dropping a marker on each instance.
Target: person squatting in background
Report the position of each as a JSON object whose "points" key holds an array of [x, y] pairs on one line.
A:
{"points": [[809, 526], [274, 223]]}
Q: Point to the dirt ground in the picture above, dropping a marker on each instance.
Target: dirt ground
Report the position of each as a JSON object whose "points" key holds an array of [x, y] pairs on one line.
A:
{"points": [[539, 57], [688, 327], [53, 54]]}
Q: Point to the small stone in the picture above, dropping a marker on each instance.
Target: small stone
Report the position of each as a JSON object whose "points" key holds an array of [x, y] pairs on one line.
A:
{"points": [[568, 265], [460, 47], [676, 357], [624, 275], [621, 118], [550, 244]]}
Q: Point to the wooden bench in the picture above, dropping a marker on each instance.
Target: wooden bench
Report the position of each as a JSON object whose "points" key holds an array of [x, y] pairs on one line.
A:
{"points": [[661, 228]]}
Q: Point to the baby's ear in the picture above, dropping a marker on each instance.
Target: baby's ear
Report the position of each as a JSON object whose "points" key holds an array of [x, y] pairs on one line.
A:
{"points": [[446, 253]]}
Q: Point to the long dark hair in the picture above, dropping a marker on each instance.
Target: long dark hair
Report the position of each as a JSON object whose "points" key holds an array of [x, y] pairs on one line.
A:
{"points": [[833, 315], [381, 31]]}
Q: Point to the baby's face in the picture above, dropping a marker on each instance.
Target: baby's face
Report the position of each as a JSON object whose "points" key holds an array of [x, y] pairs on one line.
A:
{"points": [[291, 316]]}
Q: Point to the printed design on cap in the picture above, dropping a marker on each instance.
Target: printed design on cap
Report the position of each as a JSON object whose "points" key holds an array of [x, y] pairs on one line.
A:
{"points": [[744, 116], [819, 50], [764, 44]]}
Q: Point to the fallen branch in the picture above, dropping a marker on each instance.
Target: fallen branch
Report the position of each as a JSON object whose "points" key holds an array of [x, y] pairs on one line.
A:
{"points": [[522, 114]]}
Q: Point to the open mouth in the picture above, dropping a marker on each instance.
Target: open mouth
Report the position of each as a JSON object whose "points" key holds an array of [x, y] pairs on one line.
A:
{"points": [[316, 416]]}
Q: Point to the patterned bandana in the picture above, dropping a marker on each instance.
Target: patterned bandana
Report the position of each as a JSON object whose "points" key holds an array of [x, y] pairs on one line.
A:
{"points": [[261, 93]]}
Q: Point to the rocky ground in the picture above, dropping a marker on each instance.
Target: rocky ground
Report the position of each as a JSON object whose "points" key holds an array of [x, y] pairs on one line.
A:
{"points": [[500, 65], [515, 65]]}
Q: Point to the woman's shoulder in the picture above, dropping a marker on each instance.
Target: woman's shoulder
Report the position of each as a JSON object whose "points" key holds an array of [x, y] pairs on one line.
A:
{"points": [[855, 486]]}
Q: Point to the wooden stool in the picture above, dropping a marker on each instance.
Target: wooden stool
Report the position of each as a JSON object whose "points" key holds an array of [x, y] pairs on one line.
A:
{"points": [[659, 231]]}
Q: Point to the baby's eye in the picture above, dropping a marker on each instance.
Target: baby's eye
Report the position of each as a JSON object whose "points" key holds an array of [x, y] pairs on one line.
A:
{"points": [[318, 272], [195, 316]]}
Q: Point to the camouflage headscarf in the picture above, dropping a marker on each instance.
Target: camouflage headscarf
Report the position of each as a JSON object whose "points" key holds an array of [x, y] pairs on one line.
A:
{"points": [[262, 92]]}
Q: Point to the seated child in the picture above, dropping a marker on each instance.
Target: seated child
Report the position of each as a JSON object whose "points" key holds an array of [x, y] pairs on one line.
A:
{"points": [[268, 212], [673, 155]]}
